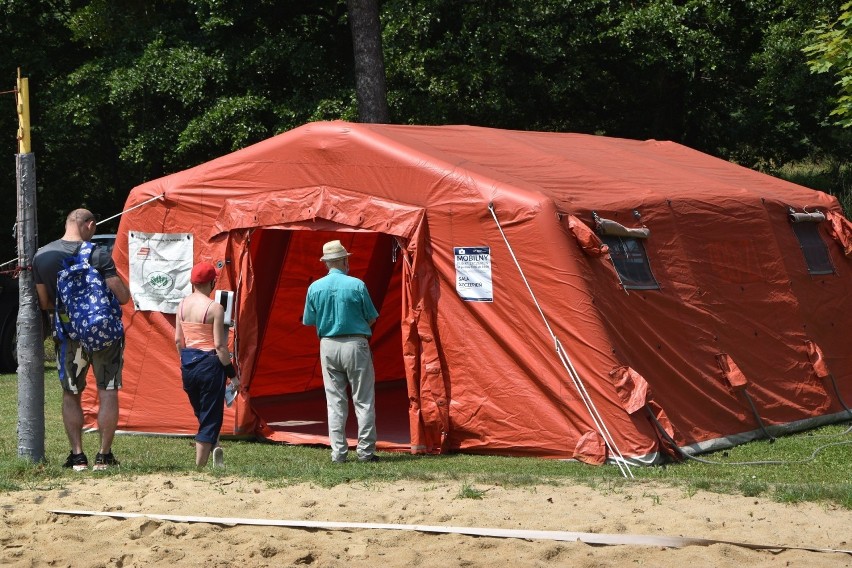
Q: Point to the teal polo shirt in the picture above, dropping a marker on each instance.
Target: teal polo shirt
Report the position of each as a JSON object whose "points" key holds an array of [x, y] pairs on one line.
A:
{"points": [[338, 304]]}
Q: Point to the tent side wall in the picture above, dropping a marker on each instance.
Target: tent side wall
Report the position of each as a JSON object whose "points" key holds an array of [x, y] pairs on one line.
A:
{"points": [[152, 399], [500, 356], [732, 281]]}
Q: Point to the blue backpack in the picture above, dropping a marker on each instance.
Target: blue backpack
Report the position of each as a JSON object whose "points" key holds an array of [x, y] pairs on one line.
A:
{"points": [[86, 309]]}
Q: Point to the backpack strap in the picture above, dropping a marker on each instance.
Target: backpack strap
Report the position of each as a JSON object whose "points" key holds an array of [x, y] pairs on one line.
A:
{"points": [[61, 342], [67, 262], [85, 251]]}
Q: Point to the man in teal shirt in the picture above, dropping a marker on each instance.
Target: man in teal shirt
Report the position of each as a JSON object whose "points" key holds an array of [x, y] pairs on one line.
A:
{"points": [[343, 313]]}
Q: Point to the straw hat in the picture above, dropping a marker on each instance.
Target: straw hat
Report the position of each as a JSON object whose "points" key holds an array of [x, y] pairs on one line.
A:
{"points": [[332, 250]]}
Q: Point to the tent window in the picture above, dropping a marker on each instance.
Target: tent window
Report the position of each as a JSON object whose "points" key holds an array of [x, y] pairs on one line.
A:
{"points": [[631, 262], [813, 247]]}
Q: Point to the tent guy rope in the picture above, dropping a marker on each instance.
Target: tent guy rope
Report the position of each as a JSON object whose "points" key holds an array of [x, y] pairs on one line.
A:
{"points": [[137, 206]]}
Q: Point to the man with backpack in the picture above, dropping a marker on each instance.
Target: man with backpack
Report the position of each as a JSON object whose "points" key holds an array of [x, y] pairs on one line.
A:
{"points": [[78, 284]]}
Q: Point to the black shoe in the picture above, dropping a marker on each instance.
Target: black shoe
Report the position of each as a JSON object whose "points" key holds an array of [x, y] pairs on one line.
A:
{"points": [[104, 461], [369, 459], [78, 462]]}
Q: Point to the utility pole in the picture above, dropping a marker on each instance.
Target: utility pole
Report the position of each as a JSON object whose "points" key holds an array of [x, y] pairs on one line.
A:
{"points": [[30, 337]]}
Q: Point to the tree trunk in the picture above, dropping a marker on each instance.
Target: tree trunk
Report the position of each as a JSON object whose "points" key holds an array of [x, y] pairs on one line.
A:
{"points": [[370, 85]]}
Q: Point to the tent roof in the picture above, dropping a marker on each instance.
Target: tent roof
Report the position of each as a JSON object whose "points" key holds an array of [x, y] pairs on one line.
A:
{"points": [[579, 172], [584, 170]]}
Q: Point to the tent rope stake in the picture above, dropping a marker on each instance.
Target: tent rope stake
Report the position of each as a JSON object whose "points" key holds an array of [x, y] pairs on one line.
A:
{"points": [[757, 417], [623, 465]]}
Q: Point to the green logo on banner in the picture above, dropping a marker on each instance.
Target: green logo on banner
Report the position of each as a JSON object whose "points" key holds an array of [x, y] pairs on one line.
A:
{"points": [[160, 281]]}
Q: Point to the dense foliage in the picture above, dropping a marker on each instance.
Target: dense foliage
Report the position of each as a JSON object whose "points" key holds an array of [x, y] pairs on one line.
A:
{"points": [[831, 52], [123, 91]]}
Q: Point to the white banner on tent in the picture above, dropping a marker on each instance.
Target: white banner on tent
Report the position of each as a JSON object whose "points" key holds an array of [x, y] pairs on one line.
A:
{"points": [[473, 274], [160, 265]]}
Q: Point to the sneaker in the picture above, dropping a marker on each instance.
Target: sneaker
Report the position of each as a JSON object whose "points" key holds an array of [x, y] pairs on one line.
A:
{"points": [[104, 461], [218, 457], [369, 459], [78, 462], [340, 459]]}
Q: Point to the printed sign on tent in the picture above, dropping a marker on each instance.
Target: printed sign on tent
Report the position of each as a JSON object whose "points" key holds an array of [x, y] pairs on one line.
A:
{"points": [[160, 265], [473, 273]]}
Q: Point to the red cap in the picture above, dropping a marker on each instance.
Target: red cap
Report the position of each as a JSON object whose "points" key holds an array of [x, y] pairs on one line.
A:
{"points": [[202, 273]]}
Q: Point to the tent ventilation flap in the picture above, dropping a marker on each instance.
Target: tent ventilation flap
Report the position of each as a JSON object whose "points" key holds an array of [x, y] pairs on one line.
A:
{"points": [[805, 217], [616, 229]]}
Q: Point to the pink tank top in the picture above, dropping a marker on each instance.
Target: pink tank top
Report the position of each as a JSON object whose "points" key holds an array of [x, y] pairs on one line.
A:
{"points": [[198, 335]]}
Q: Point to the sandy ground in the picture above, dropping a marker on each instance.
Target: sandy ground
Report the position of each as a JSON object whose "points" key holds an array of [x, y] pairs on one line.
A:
{"points": [[30, 535]]}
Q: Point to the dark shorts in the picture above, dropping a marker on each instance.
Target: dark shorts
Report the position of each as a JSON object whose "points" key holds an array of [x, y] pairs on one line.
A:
{"points": [[204, 383], [73, 362]]}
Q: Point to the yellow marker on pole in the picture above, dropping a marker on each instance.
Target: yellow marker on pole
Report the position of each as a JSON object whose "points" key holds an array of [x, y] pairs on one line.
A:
{"points": [[23, 94]]}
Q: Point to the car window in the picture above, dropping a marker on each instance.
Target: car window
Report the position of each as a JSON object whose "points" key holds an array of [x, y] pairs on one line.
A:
{"points": [[107, 241]]}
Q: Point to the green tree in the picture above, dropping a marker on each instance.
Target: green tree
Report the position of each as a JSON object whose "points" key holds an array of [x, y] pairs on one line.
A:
{"points": [[35, 39], [128, 90], [184, 81], [831, 52], [723, 77]]}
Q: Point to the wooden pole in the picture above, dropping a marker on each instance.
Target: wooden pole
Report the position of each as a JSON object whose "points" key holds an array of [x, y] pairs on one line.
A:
{"points": [[30, 341]]}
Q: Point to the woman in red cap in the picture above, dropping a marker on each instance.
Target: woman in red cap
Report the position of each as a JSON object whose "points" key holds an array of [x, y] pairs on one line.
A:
{"points": [[202, 344]]}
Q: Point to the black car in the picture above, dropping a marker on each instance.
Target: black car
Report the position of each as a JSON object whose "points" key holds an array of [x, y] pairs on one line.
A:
{"points": [[8, 323], [9, 303]]}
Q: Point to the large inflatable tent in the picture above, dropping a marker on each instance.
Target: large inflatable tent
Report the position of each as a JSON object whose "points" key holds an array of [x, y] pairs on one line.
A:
{"points": [[545, 294]]}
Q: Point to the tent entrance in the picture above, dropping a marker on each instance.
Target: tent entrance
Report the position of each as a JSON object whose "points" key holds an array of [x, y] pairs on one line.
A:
{"points": [[286, 388], [301, 419]]}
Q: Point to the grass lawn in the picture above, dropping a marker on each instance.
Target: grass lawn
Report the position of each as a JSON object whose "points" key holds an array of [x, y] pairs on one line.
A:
{"points": [[827, 477]]}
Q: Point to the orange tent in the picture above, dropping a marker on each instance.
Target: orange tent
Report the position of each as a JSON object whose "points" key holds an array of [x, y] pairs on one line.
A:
{"points": [[557, 295]]}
